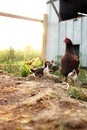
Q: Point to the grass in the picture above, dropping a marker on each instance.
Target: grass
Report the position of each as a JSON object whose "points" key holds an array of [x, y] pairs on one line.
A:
{"points": [[23, 70], [76, 93], [20, 69], [82, 74]]}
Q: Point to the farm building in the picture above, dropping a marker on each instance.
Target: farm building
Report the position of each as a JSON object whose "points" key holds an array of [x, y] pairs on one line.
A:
{"points": [[75, 29]]}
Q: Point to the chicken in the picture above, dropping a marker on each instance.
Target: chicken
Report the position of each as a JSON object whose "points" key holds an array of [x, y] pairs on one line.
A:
{"points": [[72, 76], [39, 72], [46, 68], [30, 62], [53, 67], [70, 60]]}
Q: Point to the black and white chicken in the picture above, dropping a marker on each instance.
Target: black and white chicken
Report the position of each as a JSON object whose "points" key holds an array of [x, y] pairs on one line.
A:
{"points": [[39, 72], [53, 67], [72, 76]]}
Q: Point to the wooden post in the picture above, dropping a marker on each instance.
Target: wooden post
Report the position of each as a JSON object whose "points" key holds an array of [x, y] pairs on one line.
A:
{"points": [[44, 42], [20, 17]]}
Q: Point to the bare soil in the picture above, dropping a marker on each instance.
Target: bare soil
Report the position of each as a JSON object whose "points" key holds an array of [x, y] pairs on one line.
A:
{"points": [[39, 104]]}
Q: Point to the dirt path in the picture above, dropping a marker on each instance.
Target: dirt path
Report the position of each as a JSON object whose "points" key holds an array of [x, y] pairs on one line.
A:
{"points": [[28, 104]]}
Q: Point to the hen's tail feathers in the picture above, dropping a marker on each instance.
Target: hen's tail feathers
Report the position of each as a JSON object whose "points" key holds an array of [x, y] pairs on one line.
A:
{"points": [[32, 70]]}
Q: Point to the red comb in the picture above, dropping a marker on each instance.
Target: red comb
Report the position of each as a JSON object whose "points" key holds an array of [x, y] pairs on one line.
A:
{"points": [[66, 40]]}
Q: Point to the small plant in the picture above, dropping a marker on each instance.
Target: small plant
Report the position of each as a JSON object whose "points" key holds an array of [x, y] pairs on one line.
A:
{"points": [[77, 94], [24, 71], [61, 127], [73, 93], [82, 75], [58, 73]]}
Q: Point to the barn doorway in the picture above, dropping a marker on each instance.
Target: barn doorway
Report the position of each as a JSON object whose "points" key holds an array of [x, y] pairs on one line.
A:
{"points": [[77, 47]]}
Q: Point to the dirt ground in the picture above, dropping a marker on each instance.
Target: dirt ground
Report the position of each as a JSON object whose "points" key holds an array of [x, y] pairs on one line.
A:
{"points": [[33, 104]]}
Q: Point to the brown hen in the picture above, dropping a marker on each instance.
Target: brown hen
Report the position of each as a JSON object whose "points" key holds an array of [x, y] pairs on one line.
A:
{"points": [[70, 60]]}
